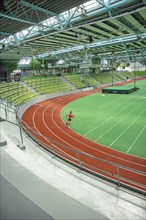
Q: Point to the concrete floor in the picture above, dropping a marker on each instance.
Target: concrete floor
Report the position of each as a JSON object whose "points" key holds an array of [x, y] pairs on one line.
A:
{"points": [[37, 186]]}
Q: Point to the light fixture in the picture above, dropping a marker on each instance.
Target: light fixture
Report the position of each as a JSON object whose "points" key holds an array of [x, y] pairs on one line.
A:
{"points": [[90, 39], [83, 11]]}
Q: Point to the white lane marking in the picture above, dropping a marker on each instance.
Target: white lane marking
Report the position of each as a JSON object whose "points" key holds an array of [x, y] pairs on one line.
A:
{"points": [[127, 106], [116, 123], [126, 128], [49, 129], [43, 117], [90, 140], [136, 139]]}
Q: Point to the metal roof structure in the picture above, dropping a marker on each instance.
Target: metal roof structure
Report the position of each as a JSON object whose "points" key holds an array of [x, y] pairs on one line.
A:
{"points": [[73, 29]]}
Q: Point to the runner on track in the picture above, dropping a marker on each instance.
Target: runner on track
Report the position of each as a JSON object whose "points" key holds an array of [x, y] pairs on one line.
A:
{"points": [[69, 118]]}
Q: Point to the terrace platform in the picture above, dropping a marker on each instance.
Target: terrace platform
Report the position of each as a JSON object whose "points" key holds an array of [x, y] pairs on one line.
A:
{"points": [[126, 89]]}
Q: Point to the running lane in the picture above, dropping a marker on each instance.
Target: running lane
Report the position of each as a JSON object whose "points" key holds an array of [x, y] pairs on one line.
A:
{"points": [[43, 122]]}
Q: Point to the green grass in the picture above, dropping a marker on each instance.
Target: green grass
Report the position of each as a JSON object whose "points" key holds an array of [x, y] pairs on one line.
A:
{"points": [[140, 73], [117, 121]]}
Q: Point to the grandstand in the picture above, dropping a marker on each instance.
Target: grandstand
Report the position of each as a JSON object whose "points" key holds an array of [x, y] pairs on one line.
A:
{"points": [[48, 85], [18, 93], [15, 93]]}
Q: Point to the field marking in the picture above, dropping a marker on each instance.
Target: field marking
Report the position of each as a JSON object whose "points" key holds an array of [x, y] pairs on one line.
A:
{"points": [[116, 124], [108, 118], [105, 121], [52, 115], [126, 129], [136, 139]]}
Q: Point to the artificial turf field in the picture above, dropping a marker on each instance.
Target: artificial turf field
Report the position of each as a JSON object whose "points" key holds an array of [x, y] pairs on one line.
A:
{"points": [[117, 121]]}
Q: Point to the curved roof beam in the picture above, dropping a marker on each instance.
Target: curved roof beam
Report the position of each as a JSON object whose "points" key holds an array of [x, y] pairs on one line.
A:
{"points": [[106, 5], [38, 8], [114, 41], [21, 3], [65, 20], [68, 18], [16, 19]]}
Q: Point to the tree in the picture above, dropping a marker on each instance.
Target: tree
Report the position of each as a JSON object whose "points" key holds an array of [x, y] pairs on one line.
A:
{"points": [[97, 62], [35, 65], [11, 66]]}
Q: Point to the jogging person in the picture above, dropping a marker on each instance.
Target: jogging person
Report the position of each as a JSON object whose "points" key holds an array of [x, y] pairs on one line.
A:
{"points": [[69, 118]]}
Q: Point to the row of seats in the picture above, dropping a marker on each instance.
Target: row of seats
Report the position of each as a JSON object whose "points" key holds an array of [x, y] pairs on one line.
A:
{"points": [[16, 93], [81, 80], [48, 85]]}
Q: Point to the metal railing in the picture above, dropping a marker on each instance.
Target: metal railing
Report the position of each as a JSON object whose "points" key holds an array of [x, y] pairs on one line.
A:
{"points": [[118, 174], [110, 171]]}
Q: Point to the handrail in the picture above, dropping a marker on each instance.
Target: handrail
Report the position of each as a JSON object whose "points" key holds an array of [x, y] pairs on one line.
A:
{"points": [[61, 150], [78, 151], [76, 158]]}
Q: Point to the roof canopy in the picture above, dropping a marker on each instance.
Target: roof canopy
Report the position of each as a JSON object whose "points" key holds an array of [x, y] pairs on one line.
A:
{"points": [[109, 29]]}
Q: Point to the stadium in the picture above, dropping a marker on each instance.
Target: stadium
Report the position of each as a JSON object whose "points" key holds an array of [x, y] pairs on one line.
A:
{"points": [[72, 99]]}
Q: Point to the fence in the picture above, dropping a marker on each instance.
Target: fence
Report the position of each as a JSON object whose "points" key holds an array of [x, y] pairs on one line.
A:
{"points": [[118, 174]]}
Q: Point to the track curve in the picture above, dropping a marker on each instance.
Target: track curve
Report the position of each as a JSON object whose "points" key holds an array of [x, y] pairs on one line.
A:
{"points": [[43, 120]]}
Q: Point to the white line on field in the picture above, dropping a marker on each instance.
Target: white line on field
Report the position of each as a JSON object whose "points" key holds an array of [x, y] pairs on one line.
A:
{"points": [[105, 121], [126, 129], [116, 123], [136, 139], [127, 106]]}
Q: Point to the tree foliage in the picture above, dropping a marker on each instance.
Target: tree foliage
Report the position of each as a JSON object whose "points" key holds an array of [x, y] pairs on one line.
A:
{"points": [[35, 65], [11, 66]]}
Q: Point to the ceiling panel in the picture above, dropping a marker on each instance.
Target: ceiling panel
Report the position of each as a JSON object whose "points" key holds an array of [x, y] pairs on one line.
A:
{"points": [[97, 26]]}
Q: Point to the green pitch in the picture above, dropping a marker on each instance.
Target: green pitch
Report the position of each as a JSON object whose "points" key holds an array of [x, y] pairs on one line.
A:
{"points": [[117, 121]]}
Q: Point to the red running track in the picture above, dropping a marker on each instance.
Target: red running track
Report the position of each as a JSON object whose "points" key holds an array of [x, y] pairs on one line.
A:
{"points": [[42, 121]]}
